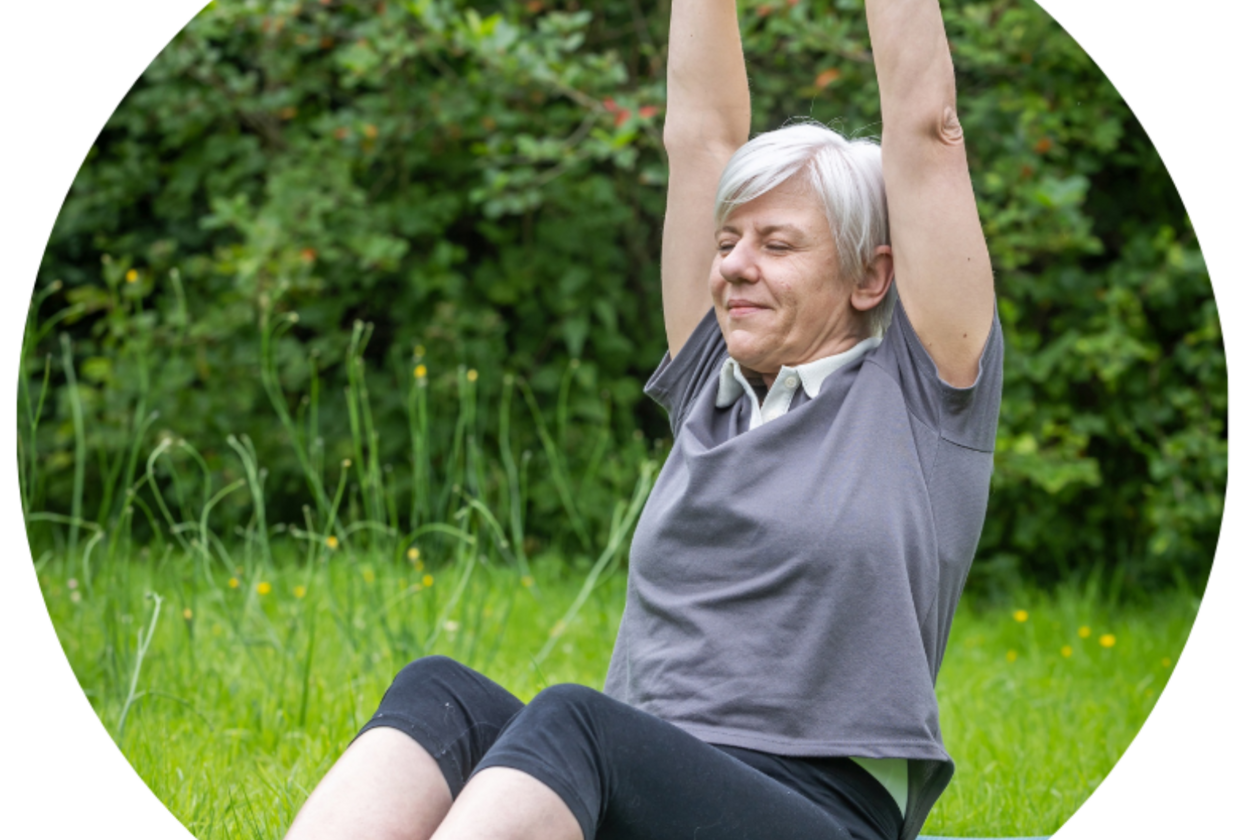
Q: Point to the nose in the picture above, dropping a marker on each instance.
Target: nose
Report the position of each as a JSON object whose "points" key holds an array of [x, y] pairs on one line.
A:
{"points": [[739, 265]]}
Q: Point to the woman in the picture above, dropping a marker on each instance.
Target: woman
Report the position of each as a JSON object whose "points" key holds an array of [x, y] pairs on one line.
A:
{"points": [[795, 571]]}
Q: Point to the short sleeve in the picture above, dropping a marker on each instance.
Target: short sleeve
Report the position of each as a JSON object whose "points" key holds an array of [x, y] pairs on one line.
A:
{"points": [[677, 382], [966, 416]]}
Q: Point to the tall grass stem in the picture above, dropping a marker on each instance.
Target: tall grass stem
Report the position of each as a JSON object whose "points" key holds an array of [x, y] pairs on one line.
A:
{"points": [[557, 469], [144, 642], [514, 497], [86, 559], [205, 533], [272, 386], [250, 465], [622, 524], [160, 449], [136, 444], [80, 441]]}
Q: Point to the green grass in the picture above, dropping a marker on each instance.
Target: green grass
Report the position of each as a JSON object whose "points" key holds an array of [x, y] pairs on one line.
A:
{"points": [[248, 692]]}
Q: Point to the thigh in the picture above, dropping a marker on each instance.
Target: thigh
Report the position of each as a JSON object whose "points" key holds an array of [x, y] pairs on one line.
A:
{"points": [[836, 784], [669, 784], [450, 710], [627, 775]]}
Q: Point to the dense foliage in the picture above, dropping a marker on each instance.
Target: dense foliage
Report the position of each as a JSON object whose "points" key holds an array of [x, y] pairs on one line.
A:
{"points": [[458, 186]]}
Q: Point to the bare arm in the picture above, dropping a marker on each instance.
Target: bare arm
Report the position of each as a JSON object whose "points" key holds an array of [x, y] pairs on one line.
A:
{"points": [[707, 119], [942, 268]]}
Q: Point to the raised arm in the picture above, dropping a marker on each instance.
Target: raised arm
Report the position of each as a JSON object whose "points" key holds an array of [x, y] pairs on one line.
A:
{"points": [[707, 119], [943, 272]]}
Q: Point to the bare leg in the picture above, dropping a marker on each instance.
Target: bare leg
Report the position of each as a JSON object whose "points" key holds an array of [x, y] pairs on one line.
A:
{"points": [[384, 787], [500, 803]]}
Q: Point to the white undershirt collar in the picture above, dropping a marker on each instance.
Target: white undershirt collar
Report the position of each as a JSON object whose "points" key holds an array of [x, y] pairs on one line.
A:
{"points": [[732, 382]]}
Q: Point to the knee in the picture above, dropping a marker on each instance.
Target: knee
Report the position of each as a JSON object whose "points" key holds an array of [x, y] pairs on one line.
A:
{"points": [[430, 670], [569, 726], [570, 699]]}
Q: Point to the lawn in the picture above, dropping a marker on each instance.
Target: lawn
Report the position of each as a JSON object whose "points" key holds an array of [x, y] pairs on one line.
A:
{"points": [[232, 690]]}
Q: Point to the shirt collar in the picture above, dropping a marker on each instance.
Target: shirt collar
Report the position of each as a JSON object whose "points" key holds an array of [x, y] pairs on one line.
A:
{"points": [[731, 380]]}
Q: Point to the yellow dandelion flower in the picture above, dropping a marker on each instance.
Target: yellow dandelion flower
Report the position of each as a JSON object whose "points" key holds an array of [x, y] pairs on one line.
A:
{"points": [[131, 276], [331, 542], [421, 371], [1107, 640], [1083, 631], [369, 576], [300, 591], [187, 614], [1066, 651], [233, 583], [427, 580], [526, 580], [263, 587], [1166, 662], [472, 376], [1021, 616], [413, 554], [1011, 656]]}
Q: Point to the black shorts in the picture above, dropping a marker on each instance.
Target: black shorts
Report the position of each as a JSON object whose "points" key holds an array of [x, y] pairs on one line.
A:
{"points": [[625, 774]]}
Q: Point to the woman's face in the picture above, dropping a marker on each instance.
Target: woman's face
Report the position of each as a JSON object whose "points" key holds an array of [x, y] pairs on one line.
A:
{"points": [[776, 286]]}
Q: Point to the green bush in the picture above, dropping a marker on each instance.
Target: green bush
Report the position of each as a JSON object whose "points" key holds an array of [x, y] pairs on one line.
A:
{"points": [[482, 186]]}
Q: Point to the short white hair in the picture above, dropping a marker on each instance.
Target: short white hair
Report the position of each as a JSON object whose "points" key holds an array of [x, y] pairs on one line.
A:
{"points": [[846, 175]]}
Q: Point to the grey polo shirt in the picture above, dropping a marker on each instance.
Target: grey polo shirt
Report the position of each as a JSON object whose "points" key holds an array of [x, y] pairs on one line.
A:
{"points": [[791, 585]]}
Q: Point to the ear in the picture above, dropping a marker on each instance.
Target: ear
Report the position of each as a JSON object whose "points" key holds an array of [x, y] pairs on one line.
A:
{"points": [[879, 274]]}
